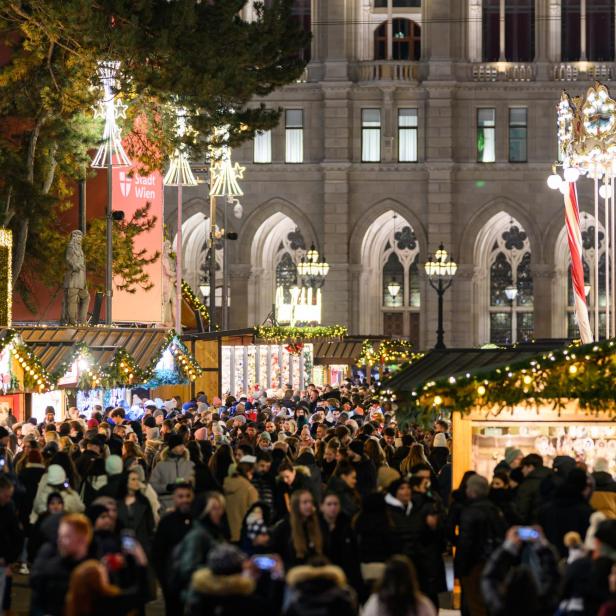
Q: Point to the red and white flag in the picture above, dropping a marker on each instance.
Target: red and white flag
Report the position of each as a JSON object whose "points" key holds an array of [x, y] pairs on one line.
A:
{"points": [[574, 235]]}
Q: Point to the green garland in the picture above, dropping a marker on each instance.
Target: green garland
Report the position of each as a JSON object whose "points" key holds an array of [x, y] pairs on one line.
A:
{"points": [[387, 352], [584, 373], [277, 334], [194, 302], [187, 365]]}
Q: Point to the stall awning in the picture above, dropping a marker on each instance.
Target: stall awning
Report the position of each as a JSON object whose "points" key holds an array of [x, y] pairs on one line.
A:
{"points": [[54, 346], [344, 352], [439, 364]]}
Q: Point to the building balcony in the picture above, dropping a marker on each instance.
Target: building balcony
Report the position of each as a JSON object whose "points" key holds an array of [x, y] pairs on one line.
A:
{"points": [[499, 71], [386, 70], [583, 71]]}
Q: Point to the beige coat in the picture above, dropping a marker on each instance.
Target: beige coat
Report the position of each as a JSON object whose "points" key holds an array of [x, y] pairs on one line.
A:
{"points": [[240, 495]]}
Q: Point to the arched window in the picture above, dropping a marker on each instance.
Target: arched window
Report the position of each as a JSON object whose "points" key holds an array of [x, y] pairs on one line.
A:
{"points": [[400, 283], [503, 282], [406, 40]]}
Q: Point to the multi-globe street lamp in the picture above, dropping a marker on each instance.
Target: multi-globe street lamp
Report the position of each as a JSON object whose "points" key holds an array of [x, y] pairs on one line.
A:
{"points": [[440, 271]]}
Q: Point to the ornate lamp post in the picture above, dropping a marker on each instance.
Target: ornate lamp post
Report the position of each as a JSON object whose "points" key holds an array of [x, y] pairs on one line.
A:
{"points": [[511, 292], [224, 176], [110, 154], [179, 174], [313, 269], [440, 272]]}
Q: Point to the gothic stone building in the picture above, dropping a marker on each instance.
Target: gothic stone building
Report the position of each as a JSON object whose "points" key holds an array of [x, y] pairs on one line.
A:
{"points": [[416, 123]]}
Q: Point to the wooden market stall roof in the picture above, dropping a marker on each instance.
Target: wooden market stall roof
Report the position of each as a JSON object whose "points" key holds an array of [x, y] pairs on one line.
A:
{"points": [[55, 345], [343, 352], [443, 363]]}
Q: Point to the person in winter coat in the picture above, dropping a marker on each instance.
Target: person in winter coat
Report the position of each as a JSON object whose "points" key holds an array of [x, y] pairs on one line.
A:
{"points": [[263, 478], [205, 533], [567, 511], [511, 588], [398, 592], [54, 480], [482, 529], [11, 533], [399, 508], [290, 479], [319, 589], [46, 525], [502, 496], [339, 541], [586, 580], [344, 484], [366, 471], [114, 468], [174, 465], [528, 498], [134, 510], [222, 588], [29, 477], [375, 539], [298, 537], [173, 527], [255, 533], [604, 496], [240, 494]]}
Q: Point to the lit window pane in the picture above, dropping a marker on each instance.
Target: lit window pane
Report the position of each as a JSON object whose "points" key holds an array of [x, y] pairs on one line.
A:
{"points": [[500, 279], [393, 272], [500, 327], [294, 147], [407, 135], [263, 147], [371, 135], [525, 326], [414, 295], [486, 145]]}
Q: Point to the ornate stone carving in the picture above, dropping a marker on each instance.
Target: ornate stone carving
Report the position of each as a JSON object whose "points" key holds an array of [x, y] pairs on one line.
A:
{"points": [[76, 295]]}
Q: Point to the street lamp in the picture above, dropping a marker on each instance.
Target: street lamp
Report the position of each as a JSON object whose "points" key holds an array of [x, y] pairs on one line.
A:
{"points": [[393, 288], [179, 174], [110, 154], [511, 292], [312, 268], [440, 271]]}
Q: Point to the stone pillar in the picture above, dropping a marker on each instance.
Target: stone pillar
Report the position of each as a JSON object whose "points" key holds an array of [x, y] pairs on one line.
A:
{"points": [[462, 325], [437, 33], [239, 275], [543, 275], [389, 124], [334, 17]]}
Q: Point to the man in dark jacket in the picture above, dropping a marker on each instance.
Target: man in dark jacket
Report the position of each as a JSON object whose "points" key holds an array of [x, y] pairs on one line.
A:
{"points": [[11, 534], [482, 529], [54, 564], [567, 511], [366, 472], [173, 527], [528, 497]]}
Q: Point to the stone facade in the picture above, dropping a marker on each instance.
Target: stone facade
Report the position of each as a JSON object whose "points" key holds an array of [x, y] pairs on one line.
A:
{"points": [[336, 201]]}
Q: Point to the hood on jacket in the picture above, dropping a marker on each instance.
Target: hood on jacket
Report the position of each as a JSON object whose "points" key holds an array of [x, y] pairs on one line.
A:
{"points": [[208, 583], [307, 573], [166, 453], [394, 502]]}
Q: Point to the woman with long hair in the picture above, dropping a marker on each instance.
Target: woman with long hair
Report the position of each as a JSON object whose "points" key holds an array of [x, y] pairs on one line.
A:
{"points": [[91, 594], [221, 461], [134, 509], [416, 455], [397, 593], [133, 454], [298, 536]]}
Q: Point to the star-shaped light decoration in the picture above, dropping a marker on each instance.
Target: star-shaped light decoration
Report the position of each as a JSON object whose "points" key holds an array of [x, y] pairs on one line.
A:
{"points": [[224, 178], [111, 151], [179, 172]]}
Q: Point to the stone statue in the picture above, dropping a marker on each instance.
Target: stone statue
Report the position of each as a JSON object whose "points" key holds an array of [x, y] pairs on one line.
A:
{"points": [[76, 295], [169, 273]]}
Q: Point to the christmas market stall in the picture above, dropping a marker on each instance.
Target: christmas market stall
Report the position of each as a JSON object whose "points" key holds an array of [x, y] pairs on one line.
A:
{"points": [[261, 358], [556, 402], [102, 365]]}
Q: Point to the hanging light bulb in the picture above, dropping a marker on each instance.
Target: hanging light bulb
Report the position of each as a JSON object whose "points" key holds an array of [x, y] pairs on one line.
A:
{"points": [[572, 174], [605, 191]]}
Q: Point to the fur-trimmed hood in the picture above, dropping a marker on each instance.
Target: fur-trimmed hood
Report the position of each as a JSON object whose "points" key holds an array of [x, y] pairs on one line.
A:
{"points": [[206, 582], [165, 454], [306, 573]]}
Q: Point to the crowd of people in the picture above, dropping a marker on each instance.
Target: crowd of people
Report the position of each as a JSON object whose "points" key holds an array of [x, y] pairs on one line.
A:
{"points": [[304, 503]]}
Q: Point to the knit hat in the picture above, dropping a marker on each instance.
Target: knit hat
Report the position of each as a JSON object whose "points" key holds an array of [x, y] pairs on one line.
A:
{"points": [[113, 465], [511, 453], [440, 440], [266, 436], [152, 434], [149, 421], [92, 423], [225, 559], [159, 413], [173, 440], [200, 434], [601, 465], [55, 475], [170, 404]]}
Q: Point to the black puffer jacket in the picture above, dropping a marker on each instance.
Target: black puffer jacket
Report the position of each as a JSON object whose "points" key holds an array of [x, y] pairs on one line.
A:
{"points": [[375, 537], [319, 591]]}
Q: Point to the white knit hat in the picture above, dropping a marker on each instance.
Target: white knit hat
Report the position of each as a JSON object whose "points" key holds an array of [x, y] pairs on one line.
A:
{"points": [[55, 475]]}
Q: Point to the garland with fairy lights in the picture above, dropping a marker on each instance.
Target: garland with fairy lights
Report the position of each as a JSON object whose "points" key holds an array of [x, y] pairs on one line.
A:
{"points": [[187, 365], [584, 373], [277, 334], [35, 375], [194, 302], [387, 352]]}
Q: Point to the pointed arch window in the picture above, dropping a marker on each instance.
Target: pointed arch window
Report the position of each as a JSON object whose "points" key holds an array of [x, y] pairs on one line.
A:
{"points": [[511, 286]]}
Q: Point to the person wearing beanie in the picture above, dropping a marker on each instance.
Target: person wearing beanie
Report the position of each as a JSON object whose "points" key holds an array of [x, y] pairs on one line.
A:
{"points": [[113, 469], [54, 480], [92, 423], [222, 588], [174, 464], [153, 445], [264, 442], [513, 459]]}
